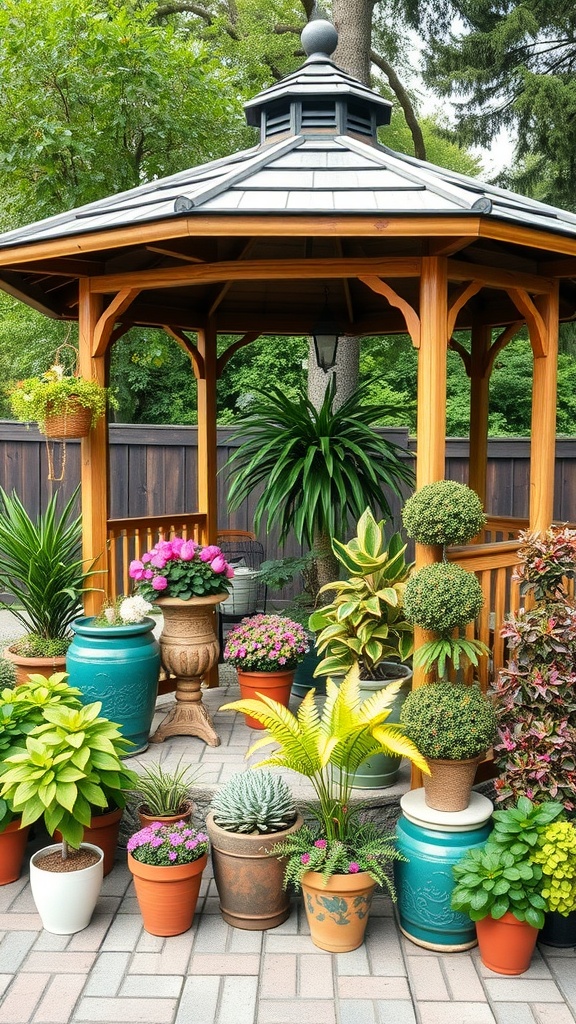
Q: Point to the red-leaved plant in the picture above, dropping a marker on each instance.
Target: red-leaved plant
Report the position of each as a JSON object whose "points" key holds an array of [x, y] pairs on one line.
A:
{"points": [[536, 692]]}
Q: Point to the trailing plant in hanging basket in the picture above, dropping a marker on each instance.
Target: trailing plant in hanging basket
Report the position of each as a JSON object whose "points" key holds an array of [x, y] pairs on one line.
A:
{"points": [[67, 398]]}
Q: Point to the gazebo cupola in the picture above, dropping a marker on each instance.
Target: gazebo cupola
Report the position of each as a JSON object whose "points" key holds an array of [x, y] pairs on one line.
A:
{"points": [[319, 98]]}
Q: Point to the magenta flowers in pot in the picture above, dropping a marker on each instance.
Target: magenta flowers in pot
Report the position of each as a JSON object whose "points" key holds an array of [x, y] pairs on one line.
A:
{"points": [[181, 568]]}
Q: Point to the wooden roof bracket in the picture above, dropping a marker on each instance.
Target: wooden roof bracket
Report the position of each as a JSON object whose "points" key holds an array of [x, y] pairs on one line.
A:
{"points": [[223, 359], [105, 324], [410, 315], [534, 320], [188, 346], [496, 347]]}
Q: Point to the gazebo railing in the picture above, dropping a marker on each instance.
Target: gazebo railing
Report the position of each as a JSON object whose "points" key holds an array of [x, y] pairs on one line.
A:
{"points": [[130, 538]]}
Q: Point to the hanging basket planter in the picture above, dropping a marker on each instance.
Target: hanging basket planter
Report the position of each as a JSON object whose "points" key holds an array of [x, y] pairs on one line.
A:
{"points": [[74, 421]]}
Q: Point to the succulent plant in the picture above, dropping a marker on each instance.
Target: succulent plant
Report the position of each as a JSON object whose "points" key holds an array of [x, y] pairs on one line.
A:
{"points": [[254, 801]]}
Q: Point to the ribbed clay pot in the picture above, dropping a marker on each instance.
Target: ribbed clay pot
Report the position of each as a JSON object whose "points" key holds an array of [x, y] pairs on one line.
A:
{"points": [[449, 785], [167, 896], [249, 882], [276, 685], [338, 911], [506, 945]]}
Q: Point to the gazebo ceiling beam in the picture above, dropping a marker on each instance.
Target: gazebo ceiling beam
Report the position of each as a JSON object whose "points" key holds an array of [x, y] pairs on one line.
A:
{"points": [[559, 268], [448, 246], [34, 297], [497, 277]]}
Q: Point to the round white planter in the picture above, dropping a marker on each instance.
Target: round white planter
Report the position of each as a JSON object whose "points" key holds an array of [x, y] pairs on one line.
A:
{"points": [[65, 900]]}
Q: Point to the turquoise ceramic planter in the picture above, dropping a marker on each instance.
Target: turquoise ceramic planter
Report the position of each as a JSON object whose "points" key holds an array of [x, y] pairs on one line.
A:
{"points": [[425, 884], [304, 676], [119, 666]]}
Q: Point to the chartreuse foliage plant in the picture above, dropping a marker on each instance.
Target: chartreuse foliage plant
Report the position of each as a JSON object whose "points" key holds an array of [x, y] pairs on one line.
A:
{"points": [[365, 622], [556, 854], [342, 735], [254, 802], [69, 765]]}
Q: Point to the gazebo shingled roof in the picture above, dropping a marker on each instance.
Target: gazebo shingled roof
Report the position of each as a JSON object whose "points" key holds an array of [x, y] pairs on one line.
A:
{"points": [[317, 212]]}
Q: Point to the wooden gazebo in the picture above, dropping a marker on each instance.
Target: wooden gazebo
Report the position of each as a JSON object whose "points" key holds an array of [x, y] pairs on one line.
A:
{"points": [[317, 214]]}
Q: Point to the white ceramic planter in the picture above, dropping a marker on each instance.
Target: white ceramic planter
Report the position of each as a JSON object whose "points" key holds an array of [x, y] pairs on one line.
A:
{"points": [[66, 900]]}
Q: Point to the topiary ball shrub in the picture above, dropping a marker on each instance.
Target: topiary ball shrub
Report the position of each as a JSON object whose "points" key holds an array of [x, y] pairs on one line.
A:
{"points": [[442, 597], [449, 720], [444, 512]]}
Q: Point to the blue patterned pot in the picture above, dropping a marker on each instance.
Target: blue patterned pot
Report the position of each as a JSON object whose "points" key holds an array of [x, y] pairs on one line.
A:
{"points": [[118, 665]]}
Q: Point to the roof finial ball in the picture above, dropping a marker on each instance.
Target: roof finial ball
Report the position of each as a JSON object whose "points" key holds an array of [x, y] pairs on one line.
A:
{"points": [[319, 37]]}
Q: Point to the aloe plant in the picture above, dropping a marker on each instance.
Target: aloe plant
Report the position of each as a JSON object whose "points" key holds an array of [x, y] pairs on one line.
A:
{"points": [[342, 735], [254, 802]]}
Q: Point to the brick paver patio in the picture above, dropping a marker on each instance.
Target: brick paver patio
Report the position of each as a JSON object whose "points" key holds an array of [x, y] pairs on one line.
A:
{"points": [[116, 973]]}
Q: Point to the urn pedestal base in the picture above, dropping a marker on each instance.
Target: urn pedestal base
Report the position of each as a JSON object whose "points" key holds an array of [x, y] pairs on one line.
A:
{"points": [[188, 650]]}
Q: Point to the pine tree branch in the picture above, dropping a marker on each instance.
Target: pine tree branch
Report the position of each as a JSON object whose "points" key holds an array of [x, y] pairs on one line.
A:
{"points": [[404, 101]]}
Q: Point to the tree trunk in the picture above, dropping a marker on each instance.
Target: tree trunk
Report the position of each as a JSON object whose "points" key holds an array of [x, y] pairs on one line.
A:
{"points": [[353, 21], [327, 565], [345, 370]]}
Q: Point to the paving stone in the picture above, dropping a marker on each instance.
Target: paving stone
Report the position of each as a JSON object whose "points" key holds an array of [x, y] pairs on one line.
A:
{"points": [[353, 963], [238, 1001], [546, 1013], [58, 962], [278, 976], [426, 978], [519, 989], [107, 974], [556, 951], [123, 934], [395, 1011], [357, 1011], [292, 944], [455, 1013], [148, 943], [463, 981], [538, 969], [241, 940], [290, 925], [20, 922], [315, 1011], [162, 986], [514, 1013], [22, 998], [8, 893], [224, 963], [384, 950], [315, 977], [199, 1001], [373, 988], [14, 949], [211, 937], [57, 1004], [129, 1011], [564, 973], [5, 980], [413, 949]]}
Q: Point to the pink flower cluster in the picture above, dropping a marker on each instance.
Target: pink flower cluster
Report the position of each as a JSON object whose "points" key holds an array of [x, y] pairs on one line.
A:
{"points": [[266, 643], [164, 845], [181, 568]]}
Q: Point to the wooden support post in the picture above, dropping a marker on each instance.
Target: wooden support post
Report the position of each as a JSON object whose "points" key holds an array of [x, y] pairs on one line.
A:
{"points": [[94, 455], [207, 443], [479, 402], [431, 413], [543, 434]]}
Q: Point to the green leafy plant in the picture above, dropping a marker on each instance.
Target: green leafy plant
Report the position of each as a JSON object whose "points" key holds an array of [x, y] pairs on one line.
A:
{"points": [[443, 513], [556, 854], [42, 568], [342, 735], [443, 597], [52, 393], [254, 802], [365, 622], [69, 765], [364, 849], [449, 720], [518, 829], [163, 790], [316, 466], [491, 882]]}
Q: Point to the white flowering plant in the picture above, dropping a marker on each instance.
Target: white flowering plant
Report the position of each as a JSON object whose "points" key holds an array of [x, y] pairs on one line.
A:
{"points": [[124, 611]]}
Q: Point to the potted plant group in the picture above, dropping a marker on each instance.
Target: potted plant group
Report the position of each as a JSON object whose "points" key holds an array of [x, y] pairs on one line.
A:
{"points": [[351, 854], [69, 766], [453, 725], [365, 623], [42, 569], [501, 886], [64, 405], [167, 862], [114, 657], [163, 794], [249, 815], [21, 710], [187, 581], [265, 650]]}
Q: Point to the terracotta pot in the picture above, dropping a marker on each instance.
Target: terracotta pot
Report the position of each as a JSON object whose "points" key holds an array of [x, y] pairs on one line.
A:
{"points": [[338, 911], [12, 848], [31, 666], [167, 896], [103, 832], [449, 786], [506, 946], [276, 685], [167, 819], [249, 882]]}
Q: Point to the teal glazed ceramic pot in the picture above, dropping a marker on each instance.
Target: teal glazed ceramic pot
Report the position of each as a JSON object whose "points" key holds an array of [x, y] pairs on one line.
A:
{"points": [[120, 666]]}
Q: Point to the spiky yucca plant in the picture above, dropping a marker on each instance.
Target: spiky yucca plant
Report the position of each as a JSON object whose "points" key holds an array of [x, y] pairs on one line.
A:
{"points": [[254, 802], [343, 735]]}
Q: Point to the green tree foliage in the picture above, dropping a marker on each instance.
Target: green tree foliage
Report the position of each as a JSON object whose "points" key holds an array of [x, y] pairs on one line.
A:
{"points": [[509, 64]]}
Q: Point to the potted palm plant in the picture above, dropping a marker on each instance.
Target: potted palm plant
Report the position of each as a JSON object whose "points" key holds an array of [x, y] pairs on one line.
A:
{"points": [[41, 568], [316, 467], [365, 623], [249, 815], [338, 863], [69, 765]]}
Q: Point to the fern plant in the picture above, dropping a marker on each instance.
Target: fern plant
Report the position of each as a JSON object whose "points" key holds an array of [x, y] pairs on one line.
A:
{"points": [[344, 734], [254, 802]]}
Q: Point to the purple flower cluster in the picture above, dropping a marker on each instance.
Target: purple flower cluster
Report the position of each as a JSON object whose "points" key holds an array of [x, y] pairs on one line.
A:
{"points": [[181, 568], [266, 643], [316, 858], [164, 845]]}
